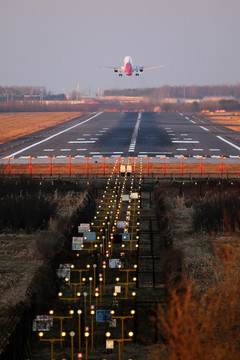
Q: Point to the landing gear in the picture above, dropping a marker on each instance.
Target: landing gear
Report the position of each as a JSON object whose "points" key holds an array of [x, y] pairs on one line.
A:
{"points": [[137, 74], [120, 74]]}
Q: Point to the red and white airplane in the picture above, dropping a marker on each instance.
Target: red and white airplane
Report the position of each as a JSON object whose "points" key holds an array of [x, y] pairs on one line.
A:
{"points": [[129, 69]]}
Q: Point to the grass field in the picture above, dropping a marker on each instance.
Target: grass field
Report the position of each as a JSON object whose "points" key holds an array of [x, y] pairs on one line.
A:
{"points": [[229, 120], [15, 125]]}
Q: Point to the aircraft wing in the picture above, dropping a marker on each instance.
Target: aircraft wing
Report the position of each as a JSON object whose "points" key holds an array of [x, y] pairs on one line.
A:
{"points": [[116, 68], [141, 68]]}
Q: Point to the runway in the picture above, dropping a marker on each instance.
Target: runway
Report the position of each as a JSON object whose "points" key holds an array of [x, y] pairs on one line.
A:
{"points": [[114, 134]]}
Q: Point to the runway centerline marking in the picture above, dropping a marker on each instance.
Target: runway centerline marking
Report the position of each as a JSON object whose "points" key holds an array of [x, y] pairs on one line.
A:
{"points": [[135, 134], [228, 142], [53, 136]]}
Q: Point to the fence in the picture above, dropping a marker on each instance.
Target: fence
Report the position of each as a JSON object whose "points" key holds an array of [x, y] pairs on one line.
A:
{"points": [[102, 166]]}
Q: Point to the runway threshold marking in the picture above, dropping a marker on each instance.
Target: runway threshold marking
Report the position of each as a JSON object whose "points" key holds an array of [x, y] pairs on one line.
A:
{"points": [[228, 142], [52, 136]]}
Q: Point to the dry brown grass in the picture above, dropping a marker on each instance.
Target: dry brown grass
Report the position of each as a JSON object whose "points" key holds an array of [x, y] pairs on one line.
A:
{"points": [[206, 328], [229, 120], [201, 321], [15, 125]]}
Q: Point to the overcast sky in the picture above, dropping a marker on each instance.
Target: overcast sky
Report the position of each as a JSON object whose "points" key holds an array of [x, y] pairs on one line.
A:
{"points": [[62, 43]]}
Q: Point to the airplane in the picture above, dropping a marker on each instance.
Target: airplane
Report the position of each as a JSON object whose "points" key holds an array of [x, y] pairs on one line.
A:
{"points": [[129, 69]]}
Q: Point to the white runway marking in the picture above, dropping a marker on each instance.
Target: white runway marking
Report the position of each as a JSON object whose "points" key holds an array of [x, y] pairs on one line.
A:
{"points": [[214, 149], [164, 153], [48, 150], [197, 149], [81, 149], [185, 142], [65, 150], [86, 134], [98, 134], [95, 152], [81, 139], [202, 127], [186, 118], [53, 136], [118, 152], [82, 142], [181, 149], [94, 139], [228, 142], [192, 121], [183, 134], [135, 134], [150, 152]]}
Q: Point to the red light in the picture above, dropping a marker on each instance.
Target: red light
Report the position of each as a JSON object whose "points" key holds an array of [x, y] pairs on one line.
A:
{"points": [[79, 356]]}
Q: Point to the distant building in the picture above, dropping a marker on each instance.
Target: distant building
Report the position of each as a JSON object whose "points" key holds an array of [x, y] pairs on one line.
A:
{"points": [[179, 100], [218, 98]]}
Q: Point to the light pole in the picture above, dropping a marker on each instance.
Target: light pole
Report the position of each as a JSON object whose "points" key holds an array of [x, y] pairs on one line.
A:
{"points": [[72, 334], [85, 306], [94, 274], [90, 282], [52, 341], [96, 296], [86, 334], [61, 318], [92, 312], [104, 275], [79, 329], [120, 342], [100, 285], [78, 294], [122, 318]]}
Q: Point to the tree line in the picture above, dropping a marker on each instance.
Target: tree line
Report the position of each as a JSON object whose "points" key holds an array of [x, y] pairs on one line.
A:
{"points": [[184, 91], [11, 93]]}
